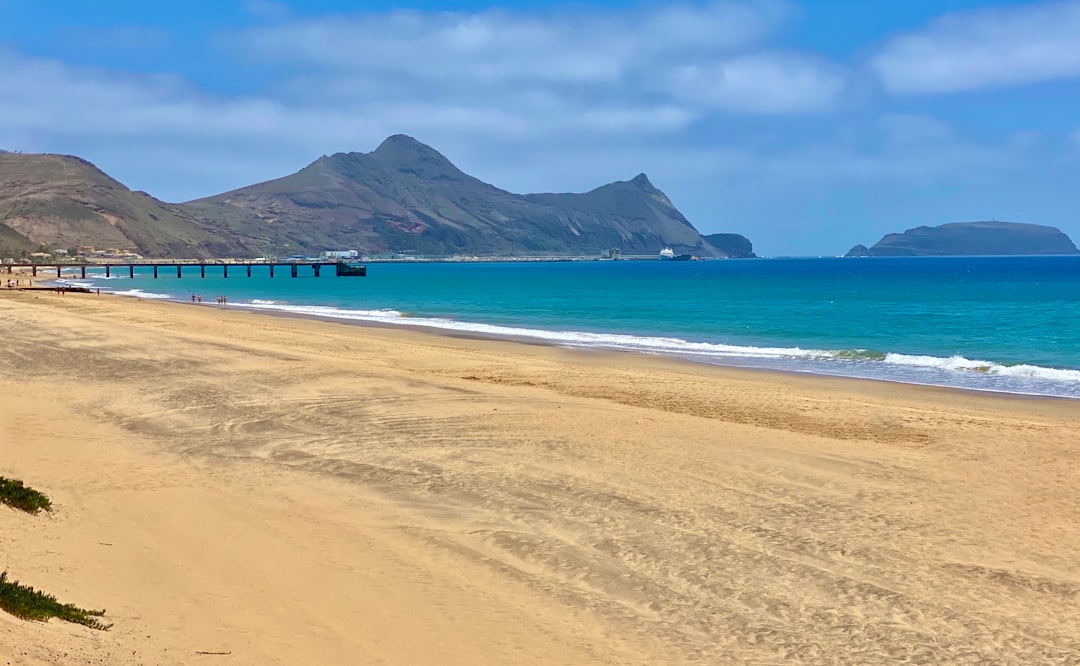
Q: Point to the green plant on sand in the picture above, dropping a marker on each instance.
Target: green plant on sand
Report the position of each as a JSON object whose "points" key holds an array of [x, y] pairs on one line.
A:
{"points": [[16, 495], [30, 604]]}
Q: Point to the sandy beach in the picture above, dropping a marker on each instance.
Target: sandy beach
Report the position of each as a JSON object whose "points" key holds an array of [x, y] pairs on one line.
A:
{"points": [[277, 490]]}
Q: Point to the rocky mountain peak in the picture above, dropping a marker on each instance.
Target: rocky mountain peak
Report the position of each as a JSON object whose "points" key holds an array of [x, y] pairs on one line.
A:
{"points": [[406, 154]]}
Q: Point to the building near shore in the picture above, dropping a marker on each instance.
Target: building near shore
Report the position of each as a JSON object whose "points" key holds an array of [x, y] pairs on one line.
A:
{"points": [[340, 254]]}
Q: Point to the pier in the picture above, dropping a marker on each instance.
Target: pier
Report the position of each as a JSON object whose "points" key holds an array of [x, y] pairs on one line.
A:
{"points": [[341, 269]]}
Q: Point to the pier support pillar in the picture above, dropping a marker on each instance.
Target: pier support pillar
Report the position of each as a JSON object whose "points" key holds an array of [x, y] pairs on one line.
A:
{"points": [[226, 267], [271, 270], [294, 270], [178, 270], [58, 271], [155, 272], [317, 268], [83, 271], [202, 270], [131, 271], [108, 270], [249, 270]]}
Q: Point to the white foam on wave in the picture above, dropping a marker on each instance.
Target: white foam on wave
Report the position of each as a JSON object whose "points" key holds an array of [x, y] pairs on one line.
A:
{"points": [[959, 363], [568, 338], [955, 371], [139, 293]]}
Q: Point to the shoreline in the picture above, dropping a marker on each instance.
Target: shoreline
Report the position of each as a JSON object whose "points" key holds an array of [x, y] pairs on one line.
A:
{"points": [[686, 357], [722, 370], [1035, 366], [287, 489]]}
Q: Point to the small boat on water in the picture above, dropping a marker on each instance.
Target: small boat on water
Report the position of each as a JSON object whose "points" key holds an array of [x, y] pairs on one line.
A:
{"points": [[667, 254]]}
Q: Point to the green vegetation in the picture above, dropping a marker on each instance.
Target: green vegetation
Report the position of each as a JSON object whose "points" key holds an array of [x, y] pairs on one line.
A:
{"points": [[16, 495], [22, 600], [30, 604]]}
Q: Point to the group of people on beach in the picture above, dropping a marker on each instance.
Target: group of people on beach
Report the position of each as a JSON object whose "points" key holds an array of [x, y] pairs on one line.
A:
{"points": [[221, 300], [14, 283]]}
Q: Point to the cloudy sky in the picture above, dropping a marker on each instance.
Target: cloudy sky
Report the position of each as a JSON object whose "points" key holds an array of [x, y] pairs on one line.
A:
{"points": [[807, 126]]}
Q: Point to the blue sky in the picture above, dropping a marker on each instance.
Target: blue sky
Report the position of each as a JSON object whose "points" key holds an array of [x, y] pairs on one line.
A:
{"points": [[807, 126]]}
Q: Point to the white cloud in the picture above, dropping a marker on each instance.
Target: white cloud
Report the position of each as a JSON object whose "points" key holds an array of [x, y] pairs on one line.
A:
{"points": [[983, 49], [569, 45], [765, 83], [705, 55], [161, 134]]}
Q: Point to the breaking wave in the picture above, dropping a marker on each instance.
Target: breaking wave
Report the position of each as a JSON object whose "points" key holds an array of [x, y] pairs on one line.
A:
{"points": [[955, 371], [139, 293]]}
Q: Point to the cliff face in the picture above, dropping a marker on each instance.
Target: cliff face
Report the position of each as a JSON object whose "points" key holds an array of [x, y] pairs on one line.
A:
{"points": [[971, 238]]}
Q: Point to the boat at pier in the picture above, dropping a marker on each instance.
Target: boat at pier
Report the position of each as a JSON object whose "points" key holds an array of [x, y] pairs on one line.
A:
{"points": [[667, 254], [351, 269]]}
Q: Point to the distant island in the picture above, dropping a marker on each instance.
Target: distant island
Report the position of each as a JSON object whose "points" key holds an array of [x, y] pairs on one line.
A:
{"points": [[970, 238], [402, 198]]}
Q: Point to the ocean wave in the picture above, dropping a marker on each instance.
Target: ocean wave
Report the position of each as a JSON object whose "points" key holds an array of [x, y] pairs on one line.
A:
{"points": [[568, 338], [965, 370], [73, 283], [139, 293], [959, 363]]}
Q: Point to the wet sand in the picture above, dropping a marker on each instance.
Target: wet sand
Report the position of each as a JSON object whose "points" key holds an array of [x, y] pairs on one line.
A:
{"points": [[298, 491]]}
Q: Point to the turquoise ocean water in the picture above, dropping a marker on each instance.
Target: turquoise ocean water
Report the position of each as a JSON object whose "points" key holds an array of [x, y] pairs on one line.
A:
{"points": [[1007, 324]]}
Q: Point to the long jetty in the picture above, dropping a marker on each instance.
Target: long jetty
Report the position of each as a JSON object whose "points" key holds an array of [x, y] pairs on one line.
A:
{"points": [[341, 268]]}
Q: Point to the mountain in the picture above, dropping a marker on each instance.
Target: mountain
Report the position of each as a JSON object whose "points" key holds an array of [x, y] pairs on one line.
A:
{"points": [[970, 238], [403, 197], [12, 243], [64, 202], [407, 197], [732, 245]]}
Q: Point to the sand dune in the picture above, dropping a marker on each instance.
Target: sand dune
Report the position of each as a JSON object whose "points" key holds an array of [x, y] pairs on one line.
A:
{"points": [[296, 491]]}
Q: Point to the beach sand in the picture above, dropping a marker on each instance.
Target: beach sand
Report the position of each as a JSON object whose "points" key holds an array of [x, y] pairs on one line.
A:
{"points": [[294, 491]]}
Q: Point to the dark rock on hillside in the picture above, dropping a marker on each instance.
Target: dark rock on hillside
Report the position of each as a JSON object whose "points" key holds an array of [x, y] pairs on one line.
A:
{"points": [[973, 238], [858, 251], [731, 245]]}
